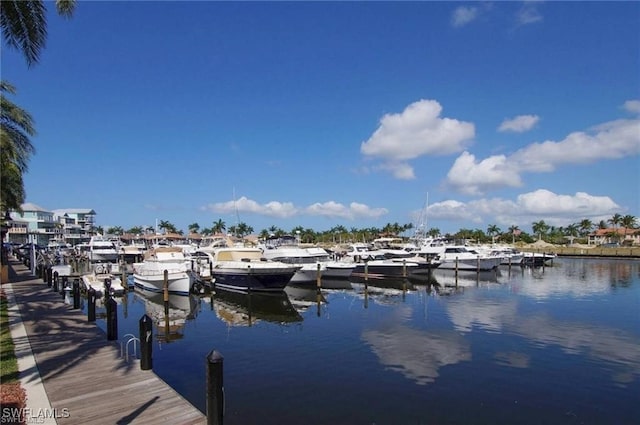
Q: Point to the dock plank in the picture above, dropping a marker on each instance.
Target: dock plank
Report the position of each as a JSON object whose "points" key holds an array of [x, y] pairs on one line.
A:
{"points": [[83, 373]]}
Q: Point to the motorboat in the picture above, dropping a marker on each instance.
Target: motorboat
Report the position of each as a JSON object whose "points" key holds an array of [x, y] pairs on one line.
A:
{"points": [[460, 257], [333, 269], [103, 283], [537, 259], [245, 268], [150, 273], [101, 249], [286, 249]]}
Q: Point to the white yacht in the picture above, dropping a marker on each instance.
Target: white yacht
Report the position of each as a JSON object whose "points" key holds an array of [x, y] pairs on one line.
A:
{"points": [[244, 269], [102, 250], [285, 249], [149, 274]]}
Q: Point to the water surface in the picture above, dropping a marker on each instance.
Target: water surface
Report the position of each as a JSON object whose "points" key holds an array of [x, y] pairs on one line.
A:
{"points": [[556, 345]]}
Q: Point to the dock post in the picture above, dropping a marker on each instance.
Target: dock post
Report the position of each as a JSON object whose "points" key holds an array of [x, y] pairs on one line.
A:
{"points": [[404, 268], [76, 293], [56, 277], [146, 343], [112, 319], [63, 284], [91, 305], [319, 278], [166, 290], [215, 388], [478, 265], [124, 282], [107, 288], [456, 275], [49, 276]]}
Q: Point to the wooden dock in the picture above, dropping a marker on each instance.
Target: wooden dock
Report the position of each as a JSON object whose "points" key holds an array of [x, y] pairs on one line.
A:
{"points": [[85, 379]]}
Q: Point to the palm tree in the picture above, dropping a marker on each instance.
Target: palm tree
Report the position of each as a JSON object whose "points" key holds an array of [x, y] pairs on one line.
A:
{"points": [[194, 228], [493, 230], [540, 228], [219, 226], [514, 230], [585, 226], [571, 231], [615, 220], [16, 126], [24, 24], [629, 222]]}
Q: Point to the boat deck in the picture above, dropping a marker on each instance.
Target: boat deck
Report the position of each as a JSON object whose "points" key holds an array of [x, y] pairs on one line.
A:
{"points": [[85, 380]]}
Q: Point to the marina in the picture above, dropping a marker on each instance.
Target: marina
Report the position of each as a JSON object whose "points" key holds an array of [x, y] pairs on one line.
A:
{"points": [[516, 345]]}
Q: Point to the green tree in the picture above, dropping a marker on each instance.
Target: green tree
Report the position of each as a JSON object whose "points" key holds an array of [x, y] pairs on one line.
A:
{"points": [[615, 220], [219, 226], [167, 227], [493, 231], [571, 232], [16, 126], [136, 230], [628, 222], [116, 230], [24, 24], [514, 230], [585, 227], [540, 228]]}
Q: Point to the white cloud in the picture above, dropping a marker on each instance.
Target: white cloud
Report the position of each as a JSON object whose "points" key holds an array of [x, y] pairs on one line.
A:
{"points": [[611, 140], [355, 210], [471, 177], [632, 106], [519, 124], [418, 130], [528, 14], [546, 203], [287, 209], [245, 205], [463, 15], [554, 209], [451, 210], [399, 170]]}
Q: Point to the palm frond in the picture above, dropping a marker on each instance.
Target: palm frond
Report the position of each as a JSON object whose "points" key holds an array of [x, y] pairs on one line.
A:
{"points": [[24, 27]]}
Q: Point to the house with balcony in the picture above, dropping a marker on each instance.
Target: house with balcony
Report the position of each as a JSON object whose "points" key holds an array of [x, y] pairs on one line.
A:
{"points": [[40, 226], [619, 235], [33, 225], [77, 224]]}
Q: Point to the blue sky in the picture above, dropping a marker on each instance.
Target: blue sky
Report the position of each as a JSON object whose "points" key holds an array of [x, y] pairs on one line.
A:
{"points": [[336, 113]]}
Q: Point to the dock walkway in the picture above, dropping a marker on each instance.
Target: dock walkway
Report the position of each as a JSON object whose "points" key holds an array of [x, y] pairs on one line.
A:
{"points": [[74, 375]]}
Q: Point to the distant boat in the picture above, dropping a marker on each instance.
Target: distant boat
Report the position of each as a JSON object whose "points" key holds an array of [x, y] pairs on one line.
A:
{"points": [[537, 259], [99, 284], [149, 274], [245, 268], [102, 250], [286, 249]]}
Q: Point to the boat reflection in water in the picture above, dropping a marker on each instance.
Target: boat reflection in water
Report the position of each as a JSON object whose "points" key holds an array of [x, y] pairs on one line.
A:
{"points": [[249, 308], [169, 319], [303, 297], [449, 278], [385, 291]]}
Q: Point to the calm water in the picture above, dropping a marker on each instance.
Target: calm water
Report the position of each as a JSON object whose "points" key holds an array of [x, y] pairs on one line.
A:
{"points": [[559, 345]]}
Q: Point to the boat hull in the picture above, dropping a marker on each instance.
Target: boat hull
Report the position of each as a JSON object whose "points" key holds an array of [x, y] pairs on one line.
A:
{"points": [[178, 283], [254, 280], [481, 264]]}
